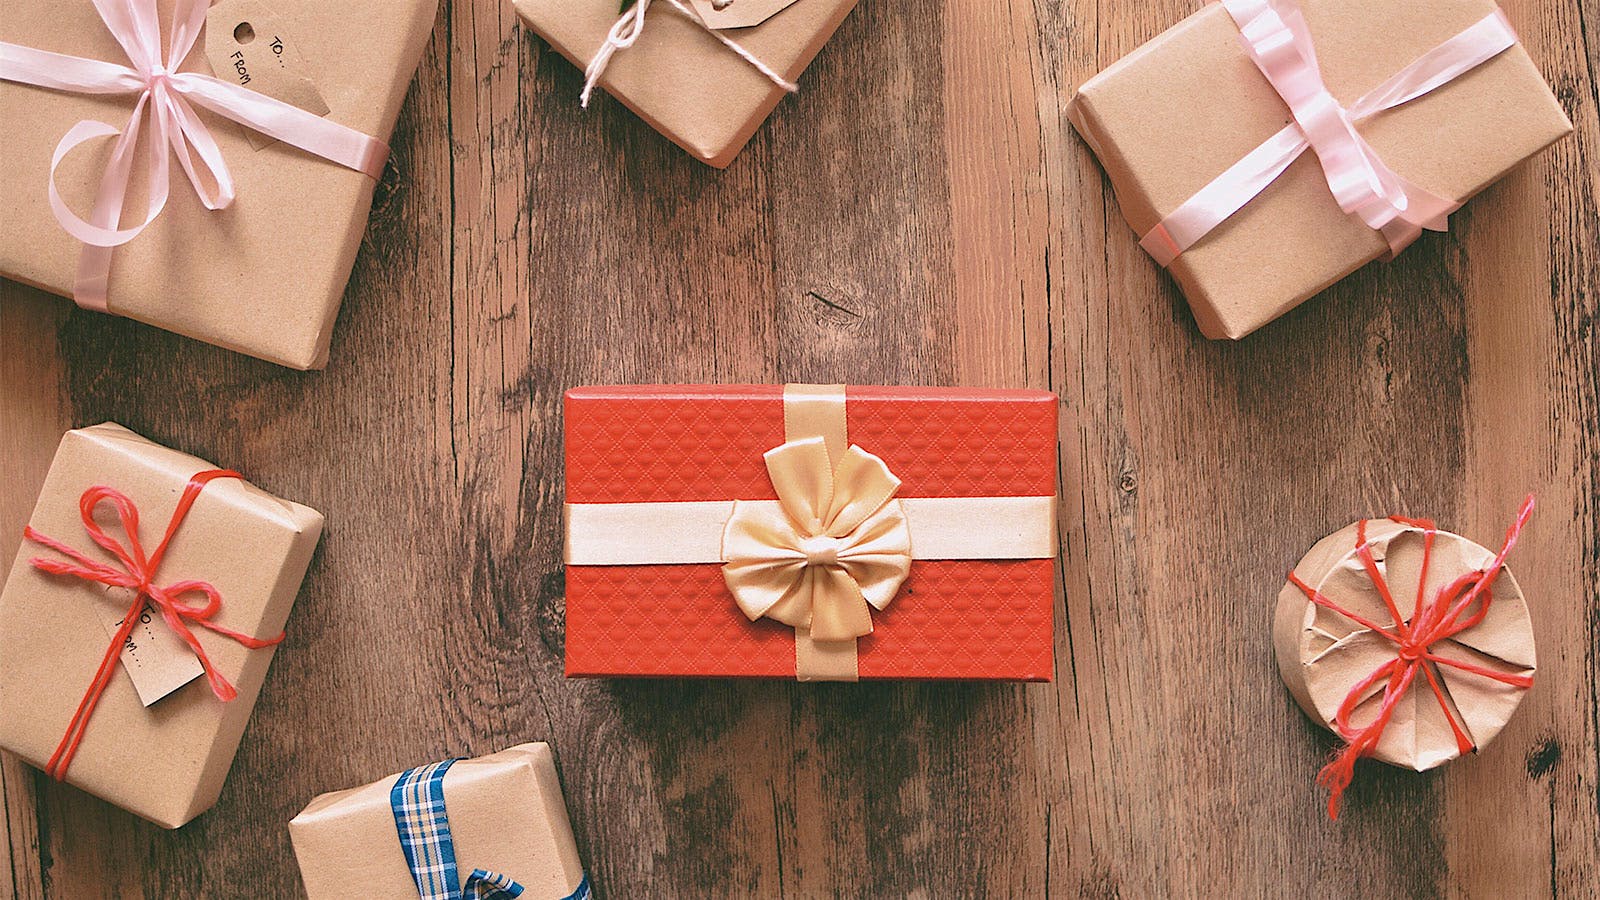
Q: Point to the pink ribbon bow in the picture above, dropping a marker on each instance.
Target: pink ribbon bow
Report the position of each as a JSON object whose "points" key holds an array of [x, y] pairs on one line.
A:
{"points": [[1275, 34], [170, 96]]}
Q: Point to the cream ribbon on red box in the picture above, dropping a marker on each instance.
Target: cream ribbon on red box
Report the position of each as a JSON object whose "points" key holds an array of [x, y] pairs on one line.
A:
{"points": [[836, 544], [1275, 34], [170, 97]]}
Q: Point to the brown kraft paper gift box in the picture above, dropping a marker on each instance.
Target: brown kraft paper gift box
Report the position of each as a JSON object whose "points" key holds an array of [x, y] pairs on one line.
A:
{"points": [[506, 815], [683, 81], [1322, 655], [264, 276], [165, 762], [1175, 113]]}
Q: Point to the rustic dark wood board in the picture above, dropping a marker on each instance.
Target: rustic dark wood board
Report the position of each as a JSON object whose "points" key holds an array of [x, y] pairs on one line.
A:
{"points": [[920, 213]]}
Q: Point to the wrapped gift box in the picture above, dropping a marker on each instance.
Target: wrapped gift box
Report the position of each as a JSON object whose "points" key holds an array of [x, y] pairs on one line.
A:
{"points": [[1458, 662], [681, 79], [1179, 111], [1323, 654], [503, 814], [166, 759], [653, 473], [265, 275]]}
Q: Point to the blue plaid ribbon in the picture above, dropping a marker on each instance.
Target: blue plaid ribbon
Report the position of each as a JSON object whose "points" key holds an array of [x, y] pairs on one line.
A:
{"points": [[417, 799]]}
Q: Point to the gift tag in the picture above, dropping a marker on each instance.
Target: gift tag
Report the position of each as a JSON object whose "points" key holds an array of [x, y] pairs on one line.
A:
{"points": [[248, 45], [720, 14], [157, 660]]}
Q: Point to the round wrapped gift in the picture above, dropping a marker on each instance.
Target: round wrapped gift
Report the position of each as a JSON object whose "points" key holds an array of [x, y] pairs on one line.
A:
{"points": [[1324, 654]]}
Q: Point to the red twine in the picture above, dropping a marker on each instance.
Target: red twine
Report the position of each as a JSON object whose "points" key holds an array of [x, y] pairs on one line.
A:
{"points": [[1434, 621], [137, 574]]}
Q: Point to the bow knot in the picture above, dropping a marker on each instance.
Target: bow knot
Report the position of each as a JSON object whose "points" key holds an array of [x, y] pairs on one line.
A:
{"points": [[170, 97], [834, 546], [137, 573], [821, 550]]}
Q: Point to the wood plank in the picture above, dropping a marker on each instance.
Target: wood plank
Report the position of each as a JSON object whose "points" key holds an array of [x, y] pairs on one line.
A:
{"points": [[920, 213], [1533, 426], [33, 410]]}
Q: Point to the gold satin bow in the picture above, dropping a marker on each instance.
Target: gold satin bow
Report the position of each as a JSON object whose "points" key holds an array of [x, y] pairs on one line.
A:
{"points": [[836, 542]]}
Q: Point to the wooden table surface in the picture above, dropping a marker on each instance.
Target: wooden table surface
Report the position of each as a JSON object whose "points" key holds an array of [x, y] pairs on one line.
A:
{"points": [[920, 213]]}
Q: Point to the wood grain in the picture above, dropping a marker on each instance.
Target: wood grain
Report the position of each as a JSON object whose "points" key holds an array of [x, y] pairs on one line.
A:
{"points": [[920, 213]]}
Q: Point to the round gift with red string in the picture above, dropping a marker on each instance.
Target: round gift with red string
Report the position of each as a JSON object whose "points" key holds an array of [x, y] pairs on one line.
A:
{"points": [[1388, 615]]}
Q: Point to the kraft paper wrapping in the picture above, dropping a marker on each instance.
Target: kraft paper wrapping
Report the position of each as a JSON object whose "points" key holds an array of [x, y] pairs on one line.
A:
{"points": [[166, 763], [264, 276], [506, 815], [1181, 109], [1322, 655], [681, 80]]}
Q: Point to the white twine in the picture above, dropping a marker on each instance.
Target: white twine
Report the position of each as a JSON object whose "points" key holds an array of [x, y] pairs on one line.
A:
{"points": [[627, 30]]}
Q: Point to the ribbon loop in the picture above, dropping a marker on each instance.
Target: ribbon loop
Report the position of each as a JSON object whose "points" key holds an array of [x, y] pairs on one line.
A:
{"points": [[485, 885], [838, 544], [803, 479], [165, 93], [137, 573]]}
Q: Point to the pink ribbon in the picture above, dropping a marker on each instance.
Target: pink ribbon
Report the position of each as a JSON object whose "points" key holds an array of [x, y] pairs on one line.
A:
{"points": [[170, 96], [1275, 35]]}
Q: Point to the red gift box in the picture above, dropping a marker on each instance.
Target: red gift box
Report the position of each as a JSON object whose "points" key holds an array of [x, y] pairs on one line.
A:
{"points": [[952, 618]]}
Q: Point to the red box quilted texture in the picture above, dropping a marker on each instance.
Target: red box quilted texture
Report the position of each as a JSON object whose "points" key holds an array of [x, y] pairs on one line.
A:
{"points": [[952, 619]]}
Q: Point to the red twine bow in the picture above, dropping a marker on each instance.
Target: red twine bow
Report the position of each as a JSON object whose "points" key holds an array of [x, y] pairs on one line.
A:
{"points": [[1442, 618], [137, 573]]}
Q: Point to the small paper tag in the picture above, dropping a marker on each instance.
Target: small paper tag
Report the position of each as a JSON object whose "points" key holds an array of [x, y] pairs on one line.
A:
{"points": [[155, 658], [721, 14], [248, 45]]}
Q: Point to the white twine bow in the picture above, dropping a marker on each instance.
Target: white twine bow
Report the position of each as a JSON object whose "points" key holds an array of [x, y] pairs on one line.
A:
{"points": [[627, 30]]}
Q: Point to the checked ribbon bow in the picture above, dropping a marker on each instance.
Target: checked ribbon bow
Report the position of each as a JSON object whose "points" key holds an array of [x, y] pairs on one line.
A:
{"points": [[423, 826]]}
